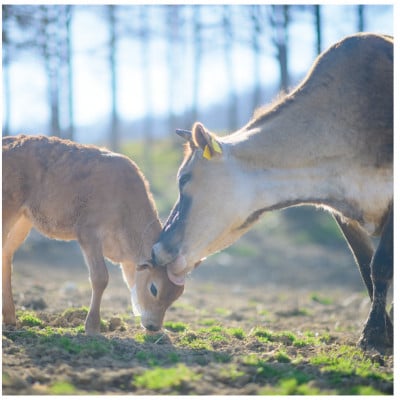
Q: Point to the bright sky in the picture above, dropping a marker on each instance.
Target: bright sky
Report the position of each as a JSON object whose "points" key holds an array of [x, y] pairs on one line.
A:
{"points": [[91, 84]]}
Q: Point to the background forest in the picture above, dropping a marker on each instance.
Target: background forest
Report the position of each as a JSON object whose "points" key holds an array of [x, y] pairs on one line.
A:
{"points": [[126, 76]]}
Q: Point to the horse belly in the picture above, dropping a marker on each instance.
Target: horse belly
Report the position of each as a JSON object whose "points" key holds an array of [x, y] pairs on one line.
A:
{"points": [[372, 191]]}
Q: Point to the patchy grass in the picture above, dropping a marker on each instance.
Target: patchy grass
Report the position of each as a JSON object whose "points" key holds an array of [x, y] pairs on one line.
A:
{"points": [[348, 361], [175, 326], [289, 338], [62, 388], [291, 386], [29, 318], [318, 298], [166, 378], [208, 322], [237, 333], [194, 341], [142, 337], [205, 356]]}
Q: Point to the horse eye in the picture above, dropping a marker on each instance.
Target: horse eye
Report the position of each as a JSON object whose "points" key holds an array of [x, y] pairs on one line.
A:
{"points": [[153, 289]]}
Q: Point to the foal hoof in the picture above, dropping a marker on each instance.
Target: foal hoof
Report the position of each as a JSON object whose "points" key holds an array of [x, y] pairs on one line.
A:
{"points": [[10, 321], [92, 332], [92, 329]]}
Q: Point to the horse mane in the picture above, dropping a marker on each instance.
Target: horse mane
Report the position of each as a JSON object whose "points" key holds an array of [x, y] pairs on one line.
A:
{"points": [[261, 113]]}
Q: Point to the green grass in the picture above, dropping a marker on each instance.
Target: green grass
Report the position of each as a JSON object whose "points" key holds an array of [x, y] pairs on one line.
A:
{"points": [[193, 340], [175, 326], [147, 358], [364, 391], [64, 340], [208, 322], [75, 312], [282, 356], [230, 372], [288, 378], [326, 301], [83, 346], [265, 335], [29, 318], [291, 386], [62, 388], [348, 361], [214, 334], [237, 333], [281, 362], [309, 338], [289, 338], [166, 378], [142, 337]]}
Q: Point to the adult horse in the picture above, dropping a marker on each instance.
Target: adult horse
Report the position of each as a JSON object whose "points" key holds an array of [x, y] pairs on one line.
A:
{"points": [[329, 143]]}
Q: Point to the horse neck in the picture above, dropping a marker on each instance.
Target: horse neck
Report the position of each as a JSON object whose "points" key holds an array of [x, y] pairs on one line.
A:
{"points": [[291, 157], [290, 136]]}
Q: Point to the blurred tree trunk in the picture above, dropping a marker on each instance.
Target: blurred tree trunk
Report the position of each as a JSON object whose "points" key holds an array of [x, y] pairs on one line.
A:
{"points": [[318, 31], [144, 17], [361, 18], [229, 62], [197, 47], [279, 20], [70, 131], [174, 39], [114, 133], [256, 32], [6, 72], [51, 58]]}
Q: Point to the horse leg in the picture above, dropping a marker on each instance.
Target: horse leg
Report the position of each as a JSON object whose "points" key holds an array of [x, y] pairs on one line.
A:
{"points": [[362, 248], [378, 330]]}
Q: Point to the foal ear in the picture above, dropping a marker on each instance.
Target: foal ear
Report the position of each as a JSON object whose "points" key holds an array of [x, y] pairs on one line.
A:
{"points": [[206, 141]]}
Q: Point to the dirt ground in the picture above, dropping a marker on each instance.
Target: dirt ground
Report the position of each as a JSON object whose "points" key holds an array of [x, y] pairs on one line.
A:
{"points": [[306, 289]]}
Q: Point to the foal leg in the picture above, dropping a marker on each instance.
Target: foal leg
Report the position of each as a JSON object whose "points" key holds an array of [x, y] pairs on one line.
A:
{"points": [[12, 239], [378, 330], [98, 274]]}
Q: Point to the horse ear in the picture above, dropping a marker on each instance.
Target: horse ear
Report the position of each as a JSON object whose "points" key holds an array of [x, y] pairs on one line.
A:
{"points": [[185, 134], [206, 141], [200, 135]]}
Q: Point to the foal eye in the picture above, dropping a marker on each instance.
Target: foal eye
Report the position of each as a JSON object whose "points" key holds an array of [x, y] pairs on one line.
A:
{"points": [[153, 289]]}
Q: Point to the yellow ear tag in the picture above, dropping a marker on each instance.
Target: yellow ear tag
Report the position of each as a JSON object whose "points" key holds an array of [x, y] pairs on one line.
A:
{"points": [[216, 146], [207, 153]]}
